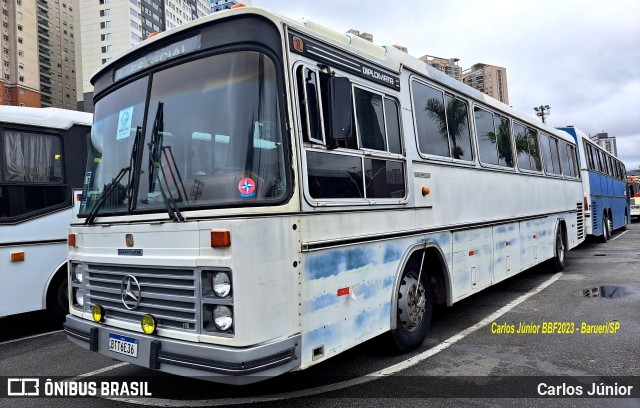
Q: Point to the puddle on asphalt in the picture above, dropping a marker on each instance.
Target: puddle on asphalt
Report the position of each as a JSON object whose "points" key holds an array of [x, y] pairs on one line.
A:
{"points": [[610, 292]]}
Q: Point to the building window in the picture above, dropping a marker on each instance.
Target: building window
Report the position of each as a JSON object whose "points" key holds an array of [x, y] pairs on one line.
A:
{"points": [[21, 65], [19, 27], [106, 36], [21, 53], [21, 78], [105, 12], [20, 40], [106, 49], [7, 77], [105, 24], [21, 91], [22, 104]]}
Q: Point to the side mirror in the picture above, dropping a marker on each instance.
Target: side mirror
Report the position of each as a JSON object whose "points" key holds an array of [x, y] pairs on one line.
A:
{"points": [[338, 109]]}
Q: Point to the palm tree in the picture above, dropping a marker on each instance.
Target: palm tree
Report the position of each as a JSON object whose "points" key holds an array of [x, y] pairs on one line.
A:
{"points": [[452, 122]]}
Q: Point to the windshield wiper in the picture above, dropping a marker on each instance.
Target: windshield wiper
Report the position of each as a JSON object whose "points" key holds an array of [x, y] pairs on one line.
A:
{"points": [[155, 157], [116, 181]]}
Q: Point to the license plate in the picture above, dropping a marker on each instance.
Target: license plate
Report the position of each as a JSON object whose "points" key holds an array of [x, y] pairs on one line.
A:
{"points": [[123, 345]]}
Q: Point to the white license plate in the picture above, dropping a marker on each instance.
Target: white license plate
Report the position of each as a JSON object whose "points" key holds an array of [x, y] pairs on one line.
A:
{"points": [[123, 345]]}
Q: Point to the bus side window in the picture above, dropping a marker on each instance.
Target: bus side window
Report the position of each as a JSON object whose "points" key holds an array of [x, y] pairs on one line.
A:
{"points": [[555, 155], [393, 125], [487, 138]]}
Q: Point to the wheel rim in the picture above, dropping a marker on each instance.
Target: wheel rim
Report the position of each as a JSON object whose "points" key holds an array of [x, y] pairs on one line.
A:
{"points": [[609, 228], [411, 303], [560, 248]]}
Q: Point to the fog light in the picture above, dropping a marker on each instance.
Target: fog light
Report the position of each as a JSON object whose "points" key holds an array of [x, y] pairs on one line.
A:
{"points": [[97, 312], [148, 324], [221, 284], [79, 295], [222, 317]]}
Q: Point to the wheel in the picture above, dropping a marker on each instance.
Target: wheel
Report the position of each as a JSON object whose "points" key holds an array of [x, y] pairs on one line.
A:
{"points": [[626, 222], [560, 252], [606, 229], [58, 297], [415, 307]]}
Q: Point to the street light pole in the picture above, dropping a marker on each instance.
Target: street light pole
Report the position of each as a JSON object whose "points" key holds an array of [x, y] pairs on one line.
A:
{"points": [[542, 111]]}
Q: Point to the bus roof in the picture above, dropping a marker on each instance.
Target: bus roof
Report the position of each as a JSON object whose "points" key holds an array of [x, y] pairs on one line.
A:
{"points": [[54, 118], [383, 56]]}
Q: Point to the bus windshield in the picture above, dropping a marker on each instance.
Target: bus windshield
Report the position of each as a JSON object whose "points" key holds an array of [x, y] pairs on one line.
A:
{"points": [[212, 137]]}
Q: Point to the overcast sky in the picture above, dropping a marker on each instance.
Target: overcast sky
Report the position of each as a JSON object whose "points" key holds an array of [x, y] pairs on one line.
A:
{"points": [[580, 57]]}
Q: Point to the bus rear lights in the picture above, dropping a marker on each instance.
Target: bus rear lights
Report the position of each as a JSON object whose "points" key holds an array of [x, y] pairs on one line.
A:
{"points": [[343, 291], [425, 191], [222, 317], [221, 284], [148, 323], [71, 240], [78, 295], [472, 253], [17, 256], [97, 312], [220, 238]]}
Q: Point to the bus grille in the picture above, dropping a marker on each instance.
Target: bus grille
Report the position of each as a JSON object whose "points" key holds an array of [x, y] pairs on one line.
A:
{"points": [[580, 221], [168, 294]]}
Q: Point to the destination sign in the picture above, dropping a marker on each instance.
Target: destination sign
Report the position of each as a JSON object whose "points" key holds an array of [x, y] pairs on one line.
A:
{"points": [[301, 44], [166, 53]]}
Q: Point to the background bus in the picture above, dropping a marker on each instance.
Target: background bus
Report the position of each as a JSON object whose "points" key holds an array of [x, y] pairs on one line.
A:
{"points": [[633, 188], [317, 207], [42, 159], [604, 184]]}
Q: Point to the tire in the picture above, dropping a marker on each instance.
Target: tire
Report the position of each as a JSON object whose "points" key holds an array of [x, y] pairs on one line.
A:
{"points": [[626, 222], [606, 229], [560, 252], [58, 297], [414, 313]]}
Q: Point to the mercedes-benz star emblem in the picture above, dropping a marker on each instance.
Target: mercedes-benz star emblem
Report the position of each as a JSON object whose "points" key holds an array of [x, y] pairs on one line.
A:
{"points": [[130, 292]]}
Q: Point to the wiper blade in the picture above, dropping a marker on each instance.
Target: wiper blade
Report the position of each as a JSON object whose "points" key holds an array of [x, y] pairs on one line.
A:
{"points": [[103, 197], [130, 194], [155, 157]]}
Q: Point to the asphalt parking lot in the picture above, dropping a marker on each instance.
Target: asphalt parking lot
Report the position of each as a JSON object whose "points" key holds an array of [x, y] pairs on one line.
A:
{"points": [[471, 343]]}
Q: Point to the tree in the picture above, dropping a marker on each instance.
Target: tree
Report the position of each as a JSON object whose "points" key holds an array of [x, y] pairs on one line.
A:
{"points": [[452, 122]]}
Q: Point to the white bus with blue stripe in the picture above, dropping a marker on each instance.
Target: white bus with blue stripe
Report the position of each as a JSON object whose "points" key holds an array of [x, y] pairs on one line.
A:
{"points": [[263, 194]]}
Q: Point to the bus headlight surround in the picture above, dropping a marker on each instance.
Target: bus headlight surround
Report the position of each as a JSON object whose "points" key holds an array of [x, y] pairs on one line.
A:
{"points": [[222, 317], [221, 284]]}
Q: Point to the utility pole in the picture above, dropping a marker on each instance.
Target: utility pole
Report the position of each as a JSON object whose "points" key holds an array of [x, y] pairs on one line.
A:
{"points": [[542, 112]]}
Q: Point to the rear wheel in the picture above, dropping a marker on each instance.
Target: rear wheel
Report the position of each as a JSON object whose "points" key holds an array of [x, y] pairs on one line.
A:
{"points": [[606, 229], [560, 252], [626, 222], [415, 307]]}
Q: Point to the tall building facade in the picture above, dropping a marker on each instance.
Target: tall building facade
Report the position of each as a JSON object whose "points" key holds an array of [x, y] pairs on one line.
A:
{"points": [[38, 54], [607, 143], [107, 28], [447, 65], [219, 5], [489, 79], [363, 35]]}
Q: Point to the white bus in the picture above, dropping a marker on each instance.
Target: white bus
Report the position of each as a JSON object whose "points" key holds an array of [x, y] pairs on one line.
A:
{"points": [[42, 156], [284, 192]]}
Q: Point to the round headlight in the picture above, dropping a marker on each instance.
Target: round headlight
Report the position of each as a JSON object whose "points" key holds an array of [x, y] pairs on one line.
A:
{"points": [[221, 284], [79, 295], [97, 312], [148, 324], [77, 272], [222, 317]]}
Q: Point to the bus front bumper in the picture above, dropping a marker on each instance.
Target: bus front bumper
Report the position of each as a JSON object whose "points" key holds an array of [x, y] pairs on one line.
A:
{"points": [[205, 361]]}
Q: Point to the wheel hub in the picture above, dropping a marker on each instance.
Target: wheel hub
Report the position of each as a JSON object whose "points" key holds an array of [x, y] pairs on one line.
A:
{"points": [[412, 302]]}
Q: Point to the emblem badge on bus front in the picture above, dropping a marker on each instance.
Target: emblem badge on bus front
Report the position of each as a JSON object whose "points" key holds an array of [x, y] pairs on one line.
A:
{"points": [[130, 292], [128, 239]]}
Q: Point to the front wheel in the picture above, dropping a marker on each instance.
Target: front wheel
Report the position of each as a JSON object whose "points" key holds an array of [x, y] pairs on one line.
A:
{"points": [[626, 222], [415, 307], [58, 298]]}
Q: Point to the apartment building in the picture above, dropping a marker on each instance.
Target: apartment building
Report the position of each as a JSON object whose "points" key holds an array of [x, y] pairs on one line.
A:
{"points": [[489, 79], [447, 65], [38, 54], [108, 28]]}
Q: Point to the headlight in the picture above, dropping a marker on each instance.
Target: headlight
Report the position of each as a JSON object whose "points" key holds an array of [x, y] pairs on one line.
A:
{"points": [[222, 317], [79, 295], [221, 284], [77, 270]]}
